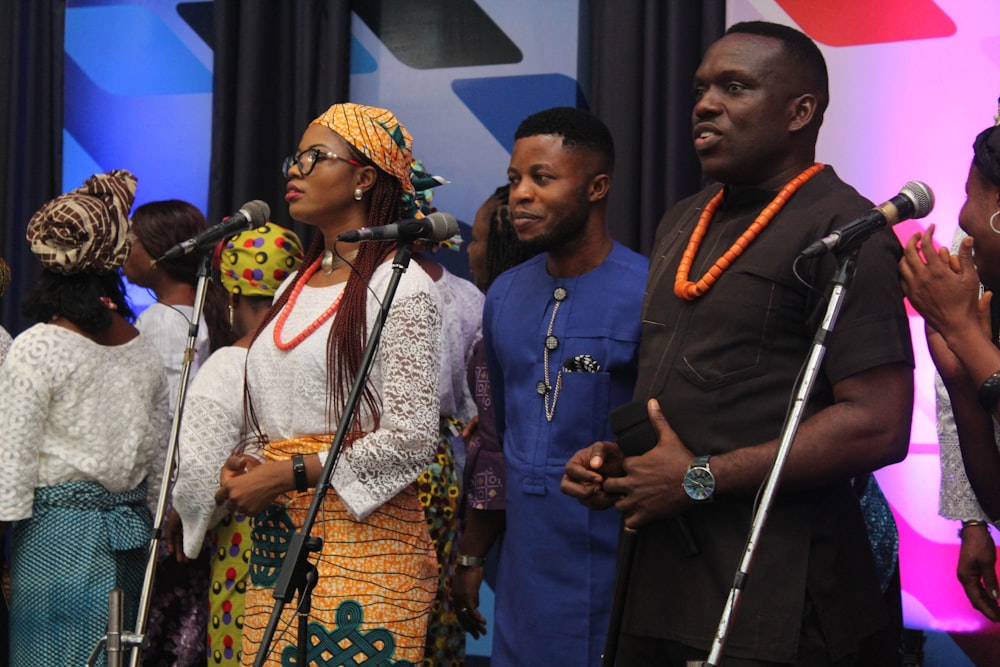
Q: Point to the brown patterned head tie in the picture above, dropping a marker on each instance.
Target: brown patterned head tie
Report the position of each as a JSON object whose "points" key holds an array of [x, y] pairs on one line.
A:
{"points": [[86, 229], [377, 134], [4, 276]]}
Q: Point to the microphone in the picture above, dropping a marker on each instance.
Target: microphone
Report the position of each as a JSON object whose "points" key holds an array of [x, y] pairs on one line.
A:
{"points": [[915, 200], [437, 226], [252, 214]]}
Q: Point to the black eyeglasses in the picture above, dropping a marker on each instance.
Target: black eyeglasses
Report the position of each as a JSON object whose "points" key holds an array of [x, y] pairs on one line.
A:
{"points": [[307, 159]]}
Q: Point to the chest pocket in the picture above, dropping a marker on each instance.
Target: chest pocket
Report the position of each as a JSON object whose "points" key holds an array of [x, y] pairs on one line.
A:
{"points": [[731, 333]]}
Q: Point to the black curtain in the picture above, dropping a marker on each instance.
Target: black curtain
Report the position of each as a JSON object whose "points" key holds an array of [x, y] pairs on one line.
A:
{"points": [[277, 66], [31, 82], [643, 55]]}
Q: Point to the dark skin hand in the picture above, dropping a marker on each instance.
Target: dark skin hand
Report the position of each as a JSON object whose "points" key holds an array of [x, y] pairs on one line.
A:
{"points": [[481, 530], [977, 570], [245, 489], [174, 537]]}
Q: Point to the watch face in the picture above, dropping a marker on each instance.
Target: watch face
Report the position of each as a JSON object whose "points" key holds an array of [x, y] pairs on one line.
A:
{"points": [[699, 483]]}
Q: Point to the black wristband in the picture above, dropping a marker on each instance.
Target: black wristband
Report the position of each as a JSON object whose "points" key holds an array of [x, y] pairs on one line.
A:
{"points": [[299, 470], [989, 392]]}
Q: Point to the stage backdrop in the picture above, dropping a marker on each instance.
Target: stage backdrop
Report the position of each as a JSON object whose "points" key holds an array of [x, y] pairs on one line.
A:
{"points": [[912, 82]]}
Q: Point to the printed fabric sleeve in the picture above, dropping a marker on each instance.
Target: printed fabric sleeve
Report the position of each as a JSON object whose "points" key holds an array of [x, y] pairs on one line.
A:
{"points": [[377, 466]]}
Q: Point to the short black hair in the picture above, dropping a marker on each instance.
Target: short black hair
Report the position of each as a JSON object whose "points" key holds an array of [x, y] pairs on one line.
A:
{"points": [[577, 127], [800, 49]]}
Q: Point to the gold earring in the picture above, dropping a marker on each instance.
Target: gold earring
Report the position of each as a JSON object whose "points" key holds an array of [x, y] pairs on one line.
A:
{"points": [[231, 316], [358, 194]]}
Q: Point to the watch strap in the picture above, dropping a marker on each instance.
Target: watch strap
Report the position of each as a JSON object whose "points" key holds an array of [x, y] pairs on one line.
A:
{"points": [[299, 471], [989, 392], [700, 462]]}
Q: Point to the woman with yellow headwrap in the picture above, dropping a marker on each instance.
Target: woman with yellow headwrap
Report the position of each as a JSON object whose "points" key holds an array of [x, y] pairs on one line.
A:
{"points": [[378, 568], [252, 265], [84, 422]]}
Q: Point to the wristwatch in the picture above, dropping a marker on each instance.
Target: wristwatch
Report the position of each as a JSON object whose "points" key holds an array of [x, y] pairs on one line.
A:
{"points": [[699, 483]]}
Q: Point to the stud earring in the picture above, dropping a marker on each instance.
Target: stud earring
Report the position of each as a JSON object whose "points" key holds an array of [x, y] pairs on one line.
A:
{"points": [[358, 194]]}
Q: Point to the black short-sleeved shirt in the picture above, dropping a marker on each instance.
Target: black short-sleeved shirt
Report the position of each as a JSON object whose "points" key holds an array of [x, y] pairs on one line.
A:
{"points": [[724, 368]]}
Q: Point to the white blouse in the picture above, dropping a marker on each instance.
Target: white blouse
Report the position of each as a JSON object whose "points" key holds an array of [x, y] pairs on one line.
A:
{"points": [[166, 327], [71, 409], [211, 427], [289, 393], [461, 305]]}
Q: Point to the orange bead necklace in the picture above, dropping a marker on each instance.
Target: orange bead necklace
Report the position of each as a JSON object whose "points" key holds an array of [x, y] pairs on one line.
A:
{"points": [[688, 290], [315, 324]]}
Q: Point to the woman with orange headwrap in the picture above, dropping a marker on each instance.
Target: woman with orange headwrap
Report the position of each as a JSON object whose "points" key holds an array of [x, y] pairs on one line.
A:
{"points": [[378, 567]]}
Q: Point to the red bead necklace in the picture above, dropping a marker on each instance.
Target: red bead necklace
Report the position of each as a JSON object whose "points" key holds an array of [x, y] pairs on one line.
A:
{"points": [[293, 297], [689, 290]]}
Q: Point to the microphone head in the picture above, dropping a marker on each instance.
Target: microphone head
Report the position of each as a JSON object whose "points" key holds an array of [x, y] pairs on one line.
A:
{"points": [[256, 211], [442, 226], [921, 196]]}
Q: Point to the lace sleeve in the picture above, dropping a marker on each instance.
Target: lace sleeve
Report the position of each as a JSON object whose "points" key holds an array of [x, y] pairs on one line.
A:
{"points": [[957, 500], [24, 397], [381, 464], [211, 428]]}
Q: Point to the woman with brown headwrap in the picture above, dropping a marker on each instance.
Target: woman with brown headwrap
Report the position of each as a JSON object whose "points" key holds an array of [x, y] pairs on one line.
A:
{"points": [[378, 567], [83, 426], [962, 337]]}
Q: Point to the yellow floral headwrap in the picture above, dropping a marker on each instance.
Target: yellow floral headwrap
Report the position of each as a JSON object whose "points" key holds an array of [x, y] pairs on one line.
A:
{"points": [[257, 261], [377, 133], [85, 229]]}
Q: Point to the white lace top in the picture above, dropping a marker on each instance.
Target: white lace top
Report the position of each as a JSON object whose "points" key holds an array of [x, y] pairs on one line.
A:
{"points": [[461, 305], [289, 391], [71, 409], [166, 327], [957, 500], [5, 341], [212, 426]]}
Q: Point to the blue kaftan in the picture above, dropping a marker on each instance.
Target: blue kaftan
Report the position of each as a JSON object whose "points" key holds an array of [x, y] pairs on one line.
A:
{"points": [[557, 560]]}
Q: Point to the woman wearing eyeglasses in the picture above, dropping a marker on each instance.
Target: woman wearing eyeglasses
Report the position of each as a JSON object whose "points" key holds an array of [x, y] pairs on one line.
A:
{"points": [[378, 568]]}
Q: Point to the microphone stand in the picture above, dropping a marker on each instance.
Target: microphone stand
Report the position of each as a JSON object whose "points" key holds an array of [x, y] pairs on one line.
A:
{"points": [[297, 573], [115, 640], [142, 617], [841, 282]]}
